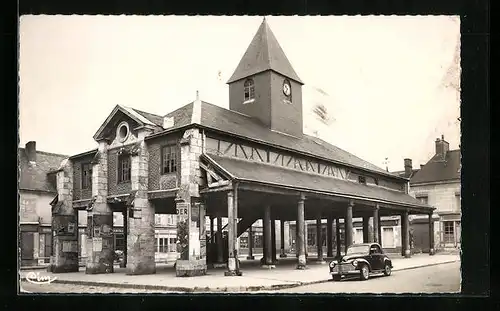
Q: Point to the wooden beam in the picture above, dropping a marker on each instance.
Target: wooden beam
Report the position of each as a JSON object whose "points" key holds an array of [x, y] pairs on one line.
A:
{"points": [[219, 189], [209, 171]]}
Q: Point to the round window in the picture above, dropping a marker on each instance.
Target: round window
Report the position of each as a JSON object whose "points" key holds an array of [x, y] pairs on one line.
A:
{"points": [[123, 132]]}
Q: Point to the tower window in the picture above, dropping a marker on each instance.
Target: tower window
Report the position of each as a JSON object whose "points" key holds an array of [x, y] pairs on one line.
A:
{"points": [[249, 89]]}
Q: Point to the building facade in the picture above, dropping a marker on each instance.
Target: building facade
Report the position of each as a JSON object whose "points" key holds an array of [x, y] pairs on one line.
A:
{"points": [[437, 183], [222, 172], [37, 187]]}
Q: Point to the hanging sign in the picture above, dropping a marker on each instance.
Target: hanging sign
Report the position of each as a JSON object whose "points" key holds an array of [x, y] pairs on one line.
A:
{"points": [[97, 244]]}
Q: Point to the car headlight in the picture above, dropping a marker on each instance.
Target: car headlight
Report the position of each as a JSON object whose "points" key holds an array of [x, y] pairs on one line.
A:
{"points": [[332, 264], [355, 263]]}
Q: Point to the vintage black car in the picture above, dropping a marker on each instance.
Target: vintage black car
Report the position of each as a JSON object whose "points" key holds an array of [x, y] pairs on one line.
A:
{"points": [[361, 260]]}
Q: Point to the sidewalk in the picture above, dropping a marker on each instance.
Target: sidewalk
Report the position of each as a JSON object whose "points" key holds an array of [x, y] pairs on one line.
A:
{"points": [[254, 277]]}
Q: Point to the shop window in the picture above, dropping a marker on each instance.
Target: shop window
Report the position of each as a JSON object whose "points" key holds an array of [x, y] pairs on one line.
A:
{"points": [[258, 243], [311, 236], [449, 232], [244, 242]]}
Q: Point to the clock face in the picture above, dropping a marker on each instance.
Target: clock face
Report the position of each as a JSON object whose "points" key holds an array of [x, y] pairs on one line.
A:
{"points": [[286, 88]]}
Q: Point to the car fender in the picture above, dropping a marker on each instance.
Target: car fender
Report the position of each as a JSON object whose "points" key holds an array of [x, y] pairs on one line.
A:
{"points": [[365, 262], [388, 260]]}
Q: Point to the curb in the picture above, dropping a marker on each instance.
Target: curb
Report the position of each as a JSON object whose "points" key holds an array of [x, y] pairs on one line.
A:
{"points": [[217, 289]]}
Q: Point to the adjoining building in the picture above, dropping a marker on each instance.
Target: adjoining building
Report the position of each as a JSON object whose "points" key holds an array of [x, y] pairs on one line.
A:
{"points": [[37, 187], [437, 183], [204, 163]]}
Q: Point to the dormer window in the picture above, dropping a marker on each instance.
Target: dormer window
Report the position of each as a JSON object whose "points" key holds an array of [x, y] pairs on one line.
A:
{"points": [[249, 92], [362, 180]]}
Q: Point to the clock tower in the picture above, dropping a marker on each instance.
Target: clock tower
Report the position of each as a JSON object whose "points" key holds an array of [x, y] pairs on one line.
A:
{"points": [[266, 87]]}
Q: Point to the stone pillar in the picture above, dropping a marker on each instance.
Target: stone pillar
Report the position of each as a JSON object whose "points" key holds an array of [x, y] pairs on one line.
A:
{"points": [[406, 241], [218, 240], [329, 237], [366, 235], [431, 235], [250, 244], [100, 243], [231, 235], [348, 225], [266, 222], [64, 223], [189, 205], [376, 225], [338, 237], [319, 238], [282, 239], [301, 245], [273, 239], [141, 227]]}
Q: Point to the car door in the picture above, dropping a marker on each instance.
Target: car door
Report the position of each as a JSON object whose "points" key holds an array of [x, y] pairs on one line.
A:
{"points": [[376, 257]]}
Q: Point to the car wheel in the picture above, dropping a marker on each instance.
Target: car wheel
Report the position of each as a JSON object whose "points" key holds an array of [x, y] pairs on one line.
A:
{"points": [[364, 273], [387, 269], [336, 278]]}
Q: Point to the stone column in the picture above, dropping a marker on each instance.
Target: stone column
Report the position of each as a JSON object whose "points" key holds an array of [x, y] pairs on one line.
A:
{"points": [[301, 245], [64, 223], [329, 237], [100, 244], [406, 241], [141, 227], [273, 239], [319, 238], [282, 238], [266, 222], [366, 235], [376, 225], [250, 244], [218, 240], [338, 237], [306, 242], [431, 235], [231, 235], [348, 225], [189, 205]]}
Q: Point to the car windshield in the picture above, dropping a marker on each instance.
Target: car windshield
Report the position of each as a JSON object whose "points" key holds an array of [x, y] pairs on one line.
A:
{"points": [[358, 249]]}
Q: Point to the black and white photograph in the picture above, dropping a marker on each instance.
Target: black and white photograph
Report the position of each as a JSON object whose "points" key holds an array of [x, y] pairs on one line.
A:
{"points": [[239, 154]]}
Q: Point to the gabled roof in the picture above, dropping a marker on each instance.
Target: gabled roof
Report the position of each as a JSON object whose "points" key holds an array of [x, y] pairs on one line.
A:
{"points": [[264, 53], [439, 170], [237, 124], [272, 175], [141, 117], [36, 177]]}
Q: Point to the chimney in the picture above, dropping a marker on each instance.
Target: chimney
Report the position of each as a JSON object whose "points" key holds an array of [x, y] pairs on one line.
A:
{"points": [[408, 168], [421, 166], [168, 122], [442, 147], [30, 149]]}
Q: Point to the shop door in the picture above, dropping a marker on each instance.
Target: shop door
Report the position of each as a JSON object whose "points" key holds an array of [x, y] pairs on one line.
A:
{"points": [[27, 245]]}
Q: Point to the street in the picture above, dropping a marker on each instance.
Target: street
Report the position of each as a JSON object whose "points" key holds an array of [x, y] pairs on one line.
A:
{"points": [[432, 279]]}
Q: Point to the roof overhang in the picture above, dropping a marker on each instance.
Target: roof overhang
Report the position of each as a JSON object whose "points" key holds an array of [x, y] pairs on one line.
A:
{"points": [[289, 188]]}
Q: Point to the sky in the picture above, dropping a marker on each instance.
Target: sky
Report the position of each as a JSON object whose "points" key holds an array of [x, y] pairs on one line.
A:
{"points": [[390, 84]]}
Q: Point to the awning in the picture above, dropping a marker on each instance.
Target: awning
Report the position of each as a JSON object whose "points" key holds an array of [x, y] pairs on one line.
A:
{"points": [[271, 175]]}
